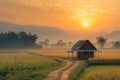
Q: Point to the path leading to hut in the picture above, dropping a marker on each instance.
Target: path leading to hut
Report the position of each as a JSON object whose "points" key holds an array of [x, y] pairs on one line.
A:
{"points": [[65, 71], [55, 74]]}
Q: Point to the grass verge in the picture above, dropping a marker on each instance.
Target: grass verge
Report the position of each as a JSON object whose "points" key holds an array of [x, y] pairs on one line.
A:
{"points": [[76, 72]]}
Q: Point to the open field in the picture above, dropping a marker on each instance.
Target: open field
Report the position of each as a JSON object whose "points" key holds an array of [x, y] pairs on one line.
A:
{"points": [[105, 53], [101, 73], [51, 52], [108, 53], [22, 66], [38, 63]]}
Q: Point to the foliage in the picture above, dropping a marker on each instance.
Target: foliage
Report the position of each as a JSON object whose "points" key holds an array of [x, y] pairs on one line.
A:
{"points": [[60, 43], [101, 41], [94, 62], [17, 40], [116, 44], [44, 43]]}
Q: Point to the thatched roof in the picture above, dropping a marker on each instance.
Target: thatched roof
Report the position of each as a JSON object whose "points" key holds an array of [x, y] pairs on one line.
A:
{"points": [[84, 46]]}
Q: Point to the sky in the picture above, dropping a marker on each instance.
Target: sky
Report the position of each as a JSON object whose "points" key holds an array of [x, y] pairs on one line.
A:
{"points": [[77, 15]]}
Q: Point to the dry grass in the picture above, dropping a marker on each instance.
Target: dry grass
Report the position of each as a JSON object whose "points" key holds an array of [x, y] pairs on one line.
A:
{"points": [[105, 53], [108, 53], [53, 52]]}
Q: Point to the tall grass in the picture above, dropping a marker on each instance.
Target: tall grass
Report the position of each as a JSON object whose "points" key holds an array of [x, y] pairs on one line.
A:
{"points": [[94, 62], [102, 69], [101, 73], [26, 67]]}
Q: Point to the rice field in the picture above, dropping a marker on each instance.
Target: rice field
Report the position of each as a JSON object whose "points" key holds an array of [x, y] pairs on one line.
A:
{"points": [[105, 53], [17, 65], [108, 53], [51, 52], [101, 73]]}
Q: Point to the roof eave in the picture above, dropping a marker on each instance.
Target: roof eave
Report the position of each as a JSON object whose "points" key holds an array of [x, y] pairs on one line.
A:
{"points": [[70, 51]]}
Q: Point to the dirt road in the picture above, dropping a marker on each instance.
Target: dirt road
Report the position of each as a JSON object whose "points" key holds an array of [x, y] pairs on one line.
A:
{"points": [[68, 67], [65, 70], [66, 73], [55, 74]]}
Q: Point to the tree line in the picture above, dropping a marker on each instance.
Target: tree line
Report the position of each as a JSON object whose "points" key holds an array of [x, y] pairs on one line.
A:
{"points": [[17, 40], [58, 44], [102, 41], [27, 40]]}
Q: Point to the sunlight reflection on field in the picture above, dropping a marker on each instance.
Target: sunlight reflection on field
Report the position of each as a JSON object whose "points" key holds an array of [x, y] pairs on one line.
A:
{"points": [[105, 53], [51, 52], [108, 53]]}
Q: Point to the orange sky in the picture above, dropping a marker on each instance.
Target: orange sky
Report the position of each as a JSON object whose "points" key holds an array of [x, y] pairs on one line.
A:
{"points": [[102, 15]]}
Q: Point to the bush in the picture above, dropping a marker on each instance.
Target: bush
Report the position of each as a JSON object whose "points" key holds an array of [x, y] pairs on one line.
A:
{"points": [[95, 62]]}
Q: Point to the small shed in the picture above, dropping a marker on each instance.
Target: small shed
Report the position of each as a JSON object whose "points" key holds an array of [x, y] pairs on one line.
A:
{"points": [[84, 49]]}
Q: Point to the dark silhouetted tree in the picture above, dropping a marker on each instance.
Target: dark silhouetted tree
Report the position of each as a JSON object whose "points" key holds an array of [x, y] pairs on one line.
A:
{"points": [[101, 41], [60, 43], [116, 44], [46, 42], [17, 40]]}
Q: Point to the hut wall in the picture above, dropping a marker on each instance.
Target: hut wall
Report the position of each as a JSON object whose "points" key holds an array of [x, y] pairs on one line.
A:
{"points": [[85, 55]]}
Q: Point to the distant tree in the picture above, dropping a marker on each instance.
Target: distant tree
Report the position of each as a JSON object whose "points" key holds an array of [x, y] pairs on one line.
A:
{"points": [[60, 43], [46, 42], [101, 41], [116, 44], [40, 44], [69, 43]]}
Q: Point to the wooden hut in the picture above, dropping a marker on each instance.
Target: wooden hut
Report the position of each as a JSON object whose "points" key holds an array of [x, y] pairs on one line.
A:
{"points": [[84, 49]]}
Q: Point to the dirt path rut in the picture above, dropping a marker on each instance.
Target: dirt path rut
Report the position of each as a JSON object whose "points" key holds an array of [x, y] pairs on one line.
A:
{"points": [[66, 73], [55, 74]]}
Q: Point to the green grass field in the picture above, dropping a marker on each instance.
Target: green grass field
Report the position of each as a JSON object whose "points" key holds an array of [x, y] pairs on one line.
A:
{"points": [[22, 66], [101, 73]]}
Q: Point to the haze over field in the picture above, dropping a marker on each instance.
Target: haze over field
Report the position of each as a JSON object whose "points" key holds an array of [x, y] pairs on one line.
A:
{"points": [[54, 33]]}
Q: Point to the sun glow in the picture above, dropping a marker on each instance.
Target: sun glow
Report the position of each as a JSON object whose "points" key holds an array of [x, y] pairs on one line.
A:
{"points": [[85, 24]]}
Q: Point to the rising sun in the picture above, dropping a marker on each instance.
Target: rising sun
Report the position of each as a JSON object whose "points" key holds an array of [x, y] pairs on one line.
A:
{"points": [[85, 24]]}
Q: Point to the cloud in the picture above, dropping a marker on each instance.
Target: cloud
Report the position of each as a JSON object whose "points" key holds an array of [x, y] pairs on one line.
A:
{"points": [[51, 12]]}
